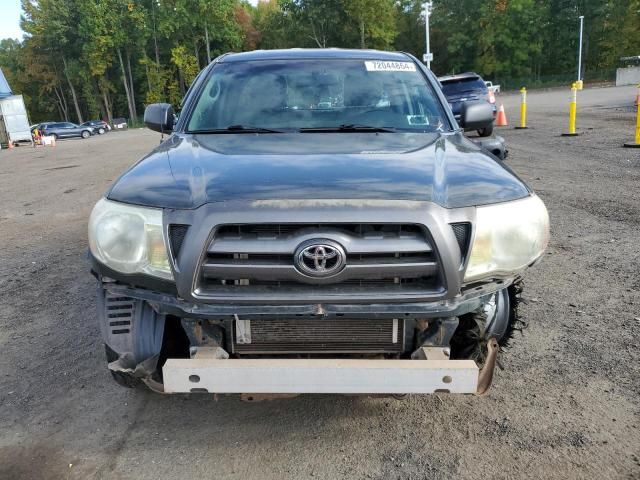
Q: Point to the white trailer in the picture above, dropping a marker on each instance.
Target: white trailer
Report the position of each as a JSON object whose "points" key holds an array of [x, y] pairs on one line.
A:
{"points": [[14, 121]]}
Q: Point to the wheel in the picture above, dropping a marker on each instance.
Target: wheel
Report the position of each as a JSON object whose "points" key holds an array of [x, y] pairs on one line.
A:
{"points": [[498, 318], [121, 378], [86, 134], [55, 137], [486, 131], [100, 131]]}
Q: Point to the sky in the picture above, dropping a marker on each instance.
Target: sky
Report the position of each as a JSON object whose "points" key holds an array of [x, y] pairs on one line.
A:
{"points": [[10, 18]]}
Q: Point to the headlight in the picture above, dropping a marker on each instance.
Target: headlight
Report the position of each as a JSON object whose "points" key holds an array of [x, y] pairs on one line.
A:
{"points": [[129, 239], [508, 237]]}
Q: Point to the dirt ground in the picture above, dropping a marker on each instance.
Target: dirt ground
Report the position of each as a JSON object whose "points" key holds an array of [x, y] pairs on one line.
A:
{"points": [[566, 406]]}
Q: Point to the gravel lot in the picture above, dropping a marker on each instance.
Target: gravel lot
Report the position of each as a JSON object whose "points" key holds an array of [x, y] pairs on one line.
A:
{"points": [[567, 404]]}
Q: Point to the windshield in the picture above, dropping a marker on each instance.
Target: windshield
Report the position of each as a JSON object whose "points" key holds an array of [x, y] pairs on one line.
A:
{"points": [[453, 87], [316, 95]]}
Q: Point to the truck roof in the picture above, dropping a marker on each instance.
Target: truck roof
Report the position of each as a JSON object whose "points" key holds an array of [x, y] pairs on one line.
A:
{"points": [[459, 76], [315, 53]]}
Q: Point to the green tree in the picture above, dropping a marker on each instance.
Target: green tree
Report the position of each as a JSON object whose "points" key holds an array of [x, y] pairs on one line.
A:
{"points": [[52, 26], [187, 63], [375, 20], [278, 27], [620, 32], [322, 22], [512, 38]]}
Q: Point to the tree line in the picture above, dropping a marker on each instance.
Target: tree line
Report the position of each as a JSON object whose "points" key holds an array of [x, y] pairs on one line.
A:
{"points": [[88, 59]]}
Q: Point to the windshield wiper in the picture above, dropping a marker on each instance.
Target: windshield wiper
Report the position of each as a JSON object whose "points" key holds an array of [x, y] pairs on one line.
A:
{"points": [[349, 127], [238, 129], [252, 129]]}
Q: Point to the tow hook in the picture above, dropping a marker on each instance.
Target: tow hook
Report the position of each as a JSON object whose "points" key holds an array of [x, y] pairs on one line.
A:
{"points": [[485, 377]]}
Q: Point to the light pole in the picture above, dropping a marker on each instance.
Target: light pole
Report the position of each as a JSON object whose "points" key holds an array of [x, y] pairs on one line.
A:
{"points": [[579, 82], [428, 56]]}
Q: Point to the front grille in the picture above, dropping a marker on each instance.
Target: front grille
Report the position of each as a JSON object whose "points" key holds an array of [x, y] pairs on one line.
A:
{"points": [[274, 230], [318, 335], [258, 260]]}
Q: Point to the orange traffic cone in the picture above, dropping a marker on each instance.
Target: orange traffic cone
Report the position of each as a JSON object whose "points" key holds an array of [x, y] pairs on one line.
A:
{"points": [[501, 117]]}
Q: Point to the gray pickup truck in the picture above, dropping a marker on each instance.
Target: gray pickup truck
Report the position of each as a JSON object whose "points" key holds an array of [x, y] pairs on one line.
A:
{"points": [[315, 222]]}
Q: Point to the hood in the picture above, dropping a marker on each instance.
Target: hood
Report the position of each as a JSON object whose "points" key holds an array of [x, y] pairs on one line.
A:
{"points": [[187, 171]]}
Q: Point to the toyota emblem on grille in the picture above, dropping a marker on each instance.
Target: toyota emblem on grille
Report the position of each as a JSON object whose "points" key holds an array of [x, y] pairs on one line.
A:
{"points": [[320, 258]]}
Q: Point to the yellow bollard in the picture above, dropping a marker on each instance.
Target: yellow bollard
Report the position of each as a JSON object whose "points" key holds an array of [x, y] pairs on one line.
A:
{"points": [[636, 144], [523, 109], [573, 107]]}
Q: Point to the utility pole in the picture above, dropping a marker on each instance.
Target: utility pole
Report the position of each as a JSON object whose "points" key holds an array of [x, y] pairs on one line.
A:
{"points": [[579, 82], [428, 56]]}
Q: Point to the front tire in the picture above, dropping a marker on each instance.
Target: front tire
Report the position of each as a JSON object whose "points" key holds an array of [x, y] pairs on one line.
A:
{"points": [[486, 131], [497, 319], [86, 134]]}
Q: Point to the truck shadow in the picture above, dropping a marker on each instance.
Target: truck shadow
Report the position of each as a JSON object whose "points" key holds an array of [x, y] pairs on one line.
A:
{"points": [[191, 415]]}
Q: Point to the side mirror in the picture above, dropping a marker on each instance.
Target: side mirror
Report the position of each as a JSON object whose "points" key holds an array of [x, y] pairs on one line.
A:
{"points": [[475, 115], [159, 117]]}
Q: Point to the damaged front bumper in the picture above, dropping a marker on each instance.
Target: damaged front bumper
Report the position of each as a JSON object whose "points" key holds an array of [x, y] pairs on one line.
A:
{"points": [[320, 375], [434, 373], [138, 347]]}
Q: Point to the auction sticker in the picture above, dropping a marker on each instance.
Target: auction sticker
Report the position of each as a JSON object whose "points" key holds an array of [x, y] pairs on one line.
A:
{"points": [[379, 66]]}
